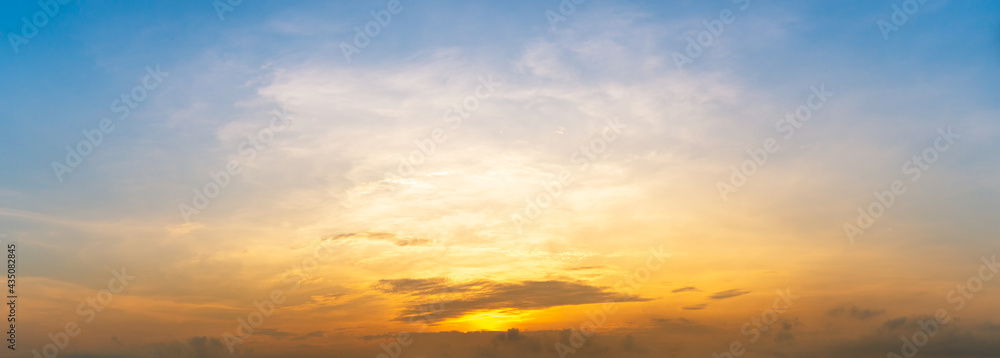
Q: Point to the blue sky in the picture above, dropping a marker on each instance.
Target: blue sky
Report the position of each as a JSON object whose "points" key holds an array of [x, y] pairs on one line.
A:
{"points": [[64, 79]]}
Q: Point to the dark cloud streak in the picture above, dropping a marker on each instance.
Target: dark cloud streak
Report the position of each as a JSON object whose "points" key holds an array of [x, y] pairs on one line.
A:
{"points": [[493, 295], [728, 294]]}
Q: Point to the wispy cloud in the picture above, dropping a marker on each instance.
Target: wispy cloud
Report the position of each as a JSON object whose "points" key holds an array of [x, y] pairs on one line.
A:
{"points": [[728, 294]]}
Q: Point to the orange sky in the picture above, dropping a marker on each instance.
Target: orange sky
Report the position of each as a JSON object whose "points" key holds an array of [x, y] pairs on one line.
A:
{"points": [[477, 182]]}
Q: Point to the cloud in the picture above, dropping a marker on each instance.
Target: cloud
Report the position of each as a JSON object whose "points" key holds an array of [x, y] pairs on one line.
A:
{"points": [[313, 334], [516, 341], [493, 295], [784, 332], [855, 312], [271, 332], [681, 325], [694, 307], [382, 236], [194, 347], [581, 268], [184, 228], [413, 286], [893, 324], [371, 337], [727, 294], [990, 326], [949, 340], [685, 289]]}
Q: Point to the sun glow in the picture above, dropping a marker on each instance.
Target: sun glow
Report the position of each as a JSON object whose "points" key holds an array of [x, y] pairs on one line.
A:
{"points": [[491, 320]]}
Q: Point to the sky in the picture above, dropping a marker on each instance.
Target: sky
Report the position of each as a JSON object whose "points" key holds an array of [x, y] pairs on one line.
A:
{"points": [[572, 178]]}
